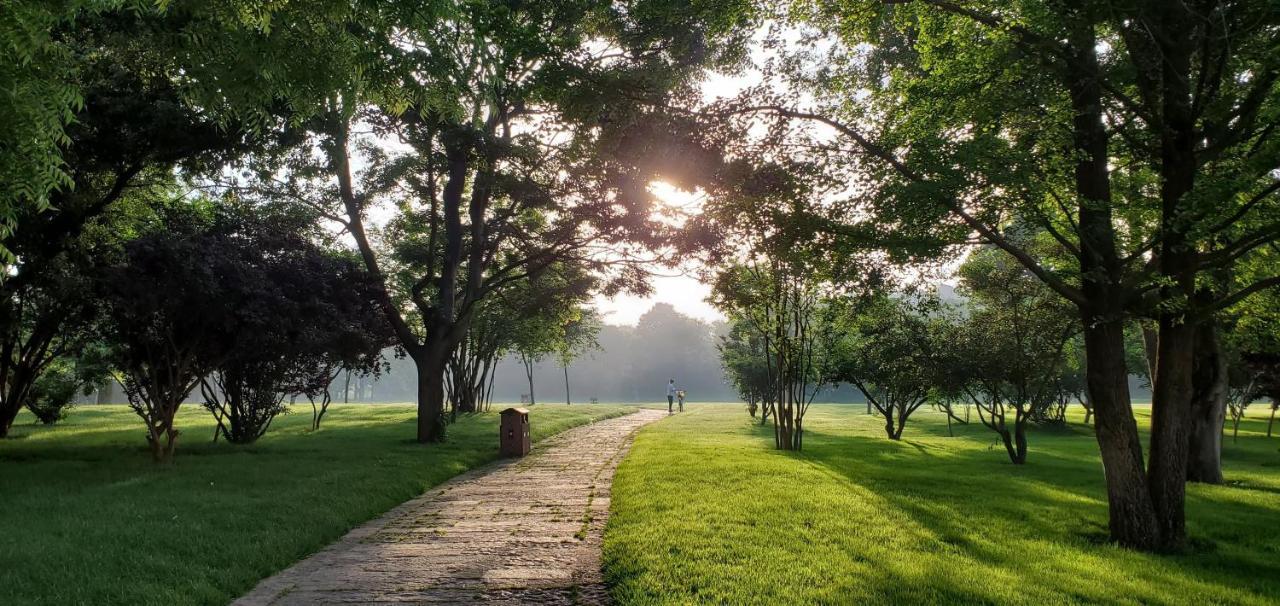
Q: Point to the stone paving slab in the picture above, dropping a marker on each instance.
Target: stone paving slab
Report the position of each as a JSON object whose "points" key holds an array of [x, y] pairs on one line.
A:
{"points": [[519, 531]]}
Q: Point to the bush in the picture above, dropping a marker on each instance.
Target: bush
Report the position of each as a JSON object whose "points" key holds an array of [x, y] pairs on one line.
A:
{"points": [[52, 393]]}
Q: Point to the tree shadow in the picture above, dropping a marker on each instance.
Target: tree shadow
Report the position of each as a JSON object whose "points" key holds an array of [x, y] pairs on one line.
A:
{"points": [[1046, 522]]}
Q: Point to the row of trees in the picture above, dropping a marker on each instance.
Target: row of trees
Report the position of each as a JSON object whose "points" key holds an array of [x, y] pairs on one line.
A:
{"points": [[1011, 350]]}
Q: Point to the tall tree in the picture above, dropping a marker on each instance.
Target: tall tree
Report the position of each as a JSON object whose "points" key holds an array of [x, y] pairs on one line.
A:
{"points": [[509, 116]]}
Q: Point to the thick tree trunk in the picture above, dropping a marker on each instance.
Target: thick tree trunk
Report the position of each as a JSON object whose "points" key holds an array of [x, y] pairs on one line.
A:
{"points": [[1132, 518], [17, 391], [1170, 424], [1272, 420], [1132, 515], [1208, 407], [431, 367], [1177, 260], [8, 412]]}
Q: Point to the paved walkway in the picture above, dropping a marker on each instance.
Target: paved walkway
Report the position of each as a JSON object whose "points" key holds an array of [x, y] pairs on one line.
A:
{"points": [[523, 531]]}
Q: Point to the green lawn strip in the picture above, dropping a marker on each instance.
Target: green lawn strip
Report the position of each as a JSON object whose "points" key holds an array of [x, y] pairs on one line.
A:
{"points": [[705, 510], [88, 519]]}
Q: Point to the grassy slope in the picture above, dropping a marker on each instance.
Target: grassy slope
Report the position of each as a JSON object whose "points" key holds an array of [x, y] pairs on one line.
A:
{"points": [[88, 519], [705, 510]]}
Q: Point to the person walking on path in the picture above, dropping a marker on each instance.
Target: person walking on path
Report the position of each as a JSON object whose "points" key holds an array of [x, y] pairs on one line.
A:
{"points": [[671, 395]]}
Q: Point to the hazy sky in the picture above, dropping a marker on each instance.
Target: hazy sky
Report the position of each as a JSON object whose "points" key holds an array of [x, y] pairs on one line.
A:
{"points": [[685, 292], [681, 289]]}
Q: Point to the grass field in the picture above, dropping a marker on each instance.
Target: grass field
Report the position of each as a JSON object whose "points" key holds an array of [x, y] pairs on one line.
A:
{"points": [[88, 519], [705, 510]]}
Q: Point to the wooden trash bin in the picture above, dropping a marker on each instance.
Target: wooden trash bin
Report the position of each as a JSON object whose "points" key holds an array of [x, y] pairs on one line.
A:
{"points": [[513, 433]]}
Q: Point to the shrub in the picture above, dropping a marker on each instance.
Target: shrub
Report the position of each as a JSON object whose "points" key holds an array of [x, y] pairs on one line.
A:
{"points": [[52, 394]]}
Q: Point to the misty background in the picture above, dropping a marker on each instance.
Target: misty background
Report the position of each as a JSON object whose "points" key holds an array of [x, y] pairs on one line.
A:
{"points": [[632, 364]]}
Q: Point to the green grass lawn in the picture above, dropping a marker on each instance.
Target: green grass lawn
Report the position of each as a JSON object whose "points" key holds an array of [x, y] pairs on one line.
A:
{"points": [[88, 519], [705, 510]]}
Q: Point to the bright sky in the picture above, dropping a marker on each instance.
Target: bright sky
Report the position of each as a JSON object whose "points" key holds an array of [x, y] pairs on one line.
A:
{"points": [[684, 292]]}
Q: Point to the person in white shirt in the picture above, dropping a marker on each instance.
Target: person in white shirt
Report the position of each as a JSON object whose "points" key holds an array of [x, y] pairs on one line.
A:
{"points": [[671, 395]]}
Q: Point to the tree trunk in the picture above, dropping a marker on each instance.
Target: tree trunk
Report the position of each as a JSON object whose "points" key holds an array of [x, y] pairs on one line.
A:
{"points": [[162, 436], [567, 401], [1132, 517], [1272, 420], [902, 424], [12, 400], [8, 413], [528, 371], [1208, 407], [1007, 439], [431, 367], [1178, 261], [1020, 441], [1150, 339], [1170, 412]]}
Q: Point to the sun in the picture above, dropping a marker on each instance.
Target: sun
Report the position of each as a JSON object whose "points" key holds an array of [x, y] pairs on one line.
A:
{"points": [[674, 205]]}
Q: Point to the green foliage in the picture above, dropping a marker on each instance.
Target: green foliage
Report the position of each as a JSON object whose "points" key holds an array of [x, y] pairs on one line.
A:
{"points": [[51, 396], [893, 348], [1018, 330], [39, 100], [74, 374], [780, 305], [224, 59], [746, 367]]}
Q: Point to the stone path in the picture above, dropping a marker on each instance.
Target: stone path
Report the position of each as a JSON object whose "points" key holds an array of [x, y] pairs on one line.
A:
{"points": [[522, 531]]}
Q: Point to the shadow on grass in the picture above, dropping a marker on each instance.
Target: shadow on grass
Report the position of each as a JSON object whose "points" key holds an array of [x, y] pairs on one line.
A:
{"points": [[1020, 518]]}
